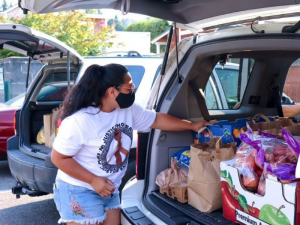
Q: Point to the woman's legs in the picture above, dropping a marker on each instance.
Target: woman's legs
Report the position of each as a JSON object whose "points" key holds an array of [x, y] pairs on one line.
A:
{"points": [[113, 217]]}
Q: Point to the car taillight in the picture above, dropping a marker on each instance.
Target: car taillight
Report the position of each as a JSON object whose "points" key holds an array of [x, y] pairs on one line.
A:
{"points": [[15, 122]]}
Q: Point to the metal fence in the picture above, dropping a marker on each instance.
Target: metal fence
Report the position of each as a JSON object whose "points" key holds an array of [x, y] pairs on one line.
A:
{"points": [[13, 72]]}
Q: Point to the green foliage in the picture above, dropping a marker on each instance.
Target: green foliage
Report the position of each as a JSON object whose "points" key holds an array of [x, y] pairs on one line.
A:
{"points": [[72, 28], [4, 53], [153, 25], [115, 23], [93, 11]]}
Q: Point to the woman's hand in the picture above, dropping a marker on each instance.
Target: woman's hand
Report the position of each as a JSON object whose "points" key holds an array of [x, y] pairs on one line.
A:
{"points": [[197, 126], [171, 123], [103, 186]]}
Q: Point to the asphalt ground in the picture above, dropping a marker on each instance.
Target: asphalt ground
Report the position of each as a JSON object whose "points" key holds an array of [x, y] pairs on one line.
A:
{"points": [[25, 210]]}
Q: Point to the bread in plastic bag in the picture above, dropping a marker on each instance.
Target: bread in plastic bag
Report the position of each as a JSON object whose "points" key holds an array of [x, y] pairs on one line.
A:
{"points": [[172, 176]]}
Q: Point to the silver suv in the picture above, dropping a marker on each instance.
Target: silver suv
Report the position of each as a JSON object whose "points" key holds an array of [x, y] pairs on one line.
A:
{"points": [[30, 162], [273, 46]]}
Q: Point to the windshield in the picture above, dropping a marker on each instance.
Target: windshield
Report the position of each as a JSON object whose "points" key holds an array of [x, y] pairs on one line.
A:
{"points": [[17, 101]]}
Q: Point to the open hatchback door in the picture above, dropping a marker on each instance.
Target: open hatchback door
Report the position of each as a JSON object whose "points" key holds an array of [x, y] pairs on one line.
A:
{"points": [[37, 45], [196, 14]]}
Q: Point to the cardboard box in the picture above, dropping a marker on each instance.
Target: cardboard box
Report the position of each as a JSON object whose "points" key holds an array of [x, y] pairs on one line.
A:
{"points": [[47, 128], [277, 207], [178, 193], [221, 128]]}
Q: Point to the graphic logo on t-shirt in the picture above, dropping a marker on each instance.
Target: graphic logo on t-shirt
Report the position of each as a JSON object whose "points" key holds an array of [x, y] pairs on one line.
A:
{"points": [[113, 154]]}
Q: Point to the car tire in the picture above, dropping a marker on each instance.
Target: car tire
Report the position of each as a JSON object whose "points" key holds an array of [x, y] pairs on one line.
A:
{"points": [[130, 173]]}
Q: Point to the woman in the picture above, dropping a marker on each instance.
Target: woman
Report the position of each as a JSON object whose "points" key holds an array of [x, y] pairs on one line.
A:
{"points": [[92, 145]]}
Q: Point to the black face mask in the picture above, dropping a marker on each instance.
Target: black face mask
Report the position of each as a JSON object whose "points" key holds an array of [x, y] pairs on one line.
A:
{"points": [[125, 100]]}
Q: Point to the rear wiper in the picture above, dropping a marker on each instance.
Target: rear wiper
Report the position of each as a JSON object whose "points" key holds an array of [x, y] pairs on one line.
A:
{"points": [[291, 29]]}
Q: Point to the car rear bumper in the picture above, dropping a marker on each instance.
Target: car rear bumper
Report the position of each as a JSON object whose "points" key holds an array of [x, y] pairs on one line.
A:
{"points": [[133, 211], [31, 172]]}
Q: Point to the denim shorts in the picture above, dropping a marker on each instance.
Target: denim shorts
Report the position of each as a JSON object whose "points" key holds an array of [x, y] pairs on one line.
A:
{"points": [[82, 205]]}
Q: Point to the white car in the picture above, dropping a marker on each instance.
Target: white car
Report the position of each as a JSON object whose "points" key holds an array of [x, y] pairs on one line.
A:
{"points": [[273, 45], [30, 162]]}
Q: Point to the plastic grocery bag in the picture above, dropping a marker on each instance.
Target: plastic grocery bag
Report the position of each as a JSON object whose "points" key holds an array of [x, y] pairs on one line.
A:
{"points": [[41, 136], [204, 179], [183, 157], [172, 176]]}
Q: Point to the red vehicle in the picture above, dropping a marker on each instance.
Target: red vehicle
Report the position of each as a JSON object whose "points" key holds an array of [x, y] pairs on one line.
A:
{"points": [[7, 112], [52, 92]]}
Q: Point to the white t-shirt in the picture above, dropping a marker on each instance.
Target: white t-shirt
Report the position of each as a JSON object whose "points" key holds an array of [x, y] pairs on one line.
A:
{"points": [[100, 141]]}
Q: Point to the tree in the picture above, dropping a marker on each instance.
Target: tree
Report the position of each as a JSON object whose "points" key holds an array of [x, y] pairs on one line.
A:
{"points": [[126, 22], [10, 5], [153, 25], [72, 28], [4, 5], [94, 11], [116, 23]]}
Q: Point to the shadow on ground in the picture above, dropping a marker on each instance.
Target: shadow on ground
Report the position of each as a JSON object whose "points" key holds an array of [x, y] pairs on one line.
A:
{"points": [[35, 213]]}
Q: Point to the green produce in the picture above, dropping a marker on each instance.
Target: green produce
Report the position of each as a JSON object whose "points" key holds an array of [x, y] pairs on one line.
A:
{"points": [[273, 216]]}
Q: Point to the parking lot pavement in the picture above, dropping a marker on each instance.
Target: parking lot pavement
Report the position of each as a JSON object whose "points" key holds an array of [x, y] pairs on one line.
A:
{"points": [[6, 180], [26, 210]]}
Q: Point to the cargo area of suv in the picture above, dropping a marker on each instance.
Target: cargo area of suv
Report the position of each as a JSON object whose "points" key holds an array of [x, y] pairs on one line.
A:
{"points": [[38, 172], [272, 56]]}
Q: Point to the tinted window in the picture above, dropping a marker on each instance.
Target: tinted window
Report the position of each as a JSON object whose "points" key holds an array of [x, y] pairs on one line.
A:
{"points": [[17, 101], [229, 79], [137, 73], [47, 91], [230, 83], [211, 101], [156, 74], [55, 87], [58, 77]]}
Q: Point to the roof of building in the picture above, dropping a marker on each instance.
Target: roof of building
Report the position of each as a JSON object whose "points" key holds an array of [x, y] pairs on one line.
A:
{"points": [[160, 36], [10, 9]]}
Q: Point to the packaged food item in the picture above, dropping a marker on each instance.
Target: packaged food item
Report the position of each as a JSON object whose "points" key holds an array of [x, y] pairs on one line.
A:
{"points": [[41, 136], [183, 157], [283, 171], [261, 190], [173, 182], [275, 204], [264, 167]]}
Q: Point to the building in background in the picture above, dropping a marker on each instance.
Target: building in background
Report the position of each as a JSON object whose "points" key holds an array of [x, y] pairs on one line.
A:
{"points": [[131, 41], [13, 12]]}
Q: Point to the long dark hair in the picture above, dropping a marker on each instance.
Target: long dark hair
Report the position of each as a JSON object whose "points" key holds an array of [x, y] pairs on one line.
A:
{"points": [[92, 87]]}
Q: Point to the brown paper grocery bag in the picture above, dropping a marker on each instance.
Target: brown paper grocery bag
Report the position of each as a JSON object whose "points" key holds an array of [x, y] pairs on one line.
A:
{"points": [[204, 180], [47, 129], [52, 118], [271, 127]]}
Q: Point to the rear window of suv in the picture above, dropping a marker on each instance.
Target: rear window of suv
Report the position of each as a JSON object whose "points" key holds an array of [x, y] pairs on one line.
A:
{"points": [[55, 87], [137, 73], [227, 84]]}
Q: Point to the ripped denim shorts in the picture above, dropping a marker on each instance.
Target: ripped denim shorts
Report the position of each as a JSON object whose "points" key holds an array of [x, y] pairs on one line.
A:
{"points": [[82, 205]]}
